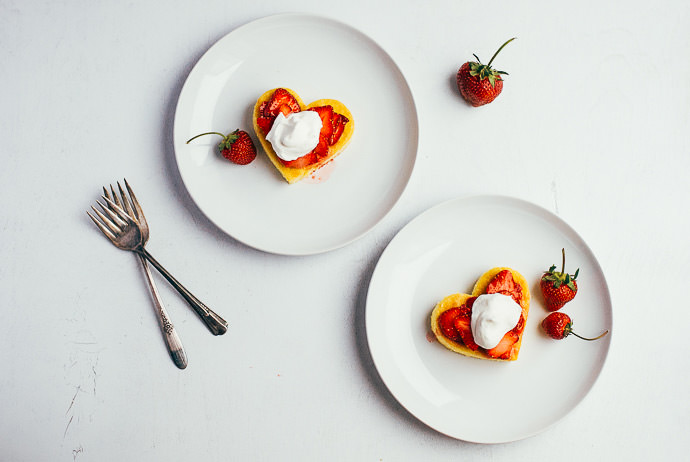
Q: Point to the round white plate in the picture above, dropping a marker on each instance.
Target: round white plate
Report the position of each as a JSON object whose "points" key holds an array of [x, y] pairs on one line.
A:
{"points": [[443, 251], [317, 58]]}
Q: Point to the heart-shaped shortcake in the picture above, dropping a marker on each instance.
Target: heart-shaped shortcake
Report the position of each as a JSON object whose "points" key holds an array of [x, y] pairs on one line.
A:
{"points": [[296, 141], [490, 322]]}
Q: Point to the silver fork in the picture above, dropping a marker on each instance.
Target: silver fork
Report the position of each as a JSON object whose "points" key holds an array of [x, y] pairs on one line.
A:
{"points": [[128, 204], [124, 232]]}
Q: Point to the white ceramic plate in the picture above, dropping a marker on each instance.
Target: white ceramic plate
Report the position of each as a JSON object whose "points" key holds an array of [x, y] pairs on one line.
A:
{"points": [[443, 251], [317, 58]]}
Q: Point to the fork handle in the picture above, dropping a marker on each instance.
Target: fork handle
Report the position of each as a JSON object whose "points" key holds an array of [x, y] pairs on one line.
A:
{"points": [[216, 324], [172, 340]]}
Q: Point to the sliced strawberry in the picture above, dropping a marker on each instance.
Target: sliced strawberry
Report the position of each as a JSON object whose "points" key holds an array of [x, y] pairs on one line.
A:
{"points": [[302, 162], [321, 150], [262, 108], [505, 346], [286, 109], [338, 121], [281, 97], [316, 154], [503, 283], [463, 325], [265, 123], [520, 326], [326, 114], [446, 324]]}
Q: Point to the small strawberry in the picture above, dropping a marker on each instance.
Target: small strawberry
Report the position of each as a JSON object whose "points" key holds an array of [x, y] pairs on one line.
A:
{"points": [[559, 325], [558, 288], [478, 83], [237, 146]]}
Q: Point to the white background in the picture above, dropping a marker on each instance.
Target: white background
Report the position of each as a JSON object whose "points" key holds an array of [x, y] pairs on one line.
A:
{"points": [[592, 124]]}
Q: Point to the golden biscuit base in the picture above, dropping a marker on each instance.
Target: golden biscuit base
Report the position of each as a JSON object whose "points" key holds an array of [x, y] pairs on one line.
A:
{"points": [[457, 300], [293, 175]]}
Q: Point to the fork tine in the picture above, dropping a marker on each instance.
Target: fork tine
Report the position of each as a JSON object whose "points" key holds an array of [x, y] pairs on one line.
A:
{"points": [[113, 224], [106, 193], [114, 215], [135, 202], [111, 195], [117, 210], [115, 198], [101, 226], [126, 202]]}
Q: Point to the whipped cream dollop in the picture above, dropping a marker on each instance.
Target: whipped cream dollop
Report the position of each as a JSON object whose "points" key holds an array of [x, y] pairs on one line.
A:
{"points": [[493, 315], [295, 135]]}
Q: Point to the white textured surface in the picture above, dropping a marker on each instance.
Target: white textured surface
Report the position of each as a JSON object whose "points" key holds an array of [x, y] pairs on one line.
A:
{"points": [[592, 124]]}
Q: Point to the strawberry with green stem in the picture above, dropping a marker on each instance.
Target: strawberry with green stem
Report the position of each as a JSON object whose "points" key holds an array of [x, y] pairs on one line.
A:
{"points": [[559, 325], [479, 83], [558, 288], [236, 146]]}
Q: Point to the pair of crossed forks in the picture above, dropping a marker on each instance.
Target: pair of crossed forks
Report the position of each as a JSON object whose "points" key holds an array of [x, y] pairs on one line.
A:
{"points": [[122, 221]]}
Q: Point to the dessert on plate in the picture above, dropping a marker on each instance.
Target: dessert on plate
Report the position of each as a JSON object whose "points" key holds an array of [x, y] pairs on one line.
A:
{"points": [[300, 138], [489, 322]]}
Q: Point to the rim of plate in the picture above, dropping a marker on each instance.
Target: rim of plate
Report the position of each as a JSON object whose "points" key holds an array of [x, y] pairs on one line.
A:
{"points": [[537, 209], [414, 135]]}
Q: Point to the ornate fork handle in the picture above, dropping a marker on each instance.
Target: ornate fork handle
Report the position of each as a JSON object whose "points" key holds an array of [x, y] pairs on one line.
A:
{"points": [[216, 324], [172, 340]]}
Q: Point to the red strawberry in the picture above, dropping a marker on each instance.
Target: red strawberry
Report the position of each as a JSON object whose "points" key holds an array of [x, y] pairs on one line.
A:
{"points": [[321, 150], [503, 283], [339, 122], [281, 101], [237, 146], [446, 321], [326, 113], [559, 325], [505, 346], [455, 324], [463, 324], [316, 154], [478, 83], [264, 122], [301, 162], [558, 288]]}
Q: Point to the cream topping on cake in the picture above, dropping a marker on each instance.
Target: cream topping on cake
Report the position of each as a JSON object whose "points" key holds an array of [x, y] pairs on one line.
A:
{"points": [[493, 315], [295, 135]]}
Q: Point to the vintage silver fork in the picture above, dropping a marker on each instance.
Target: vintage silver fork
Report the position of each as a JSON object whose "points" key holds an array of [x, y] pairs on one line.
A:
{"points": [[125, 233], [128, 205]]}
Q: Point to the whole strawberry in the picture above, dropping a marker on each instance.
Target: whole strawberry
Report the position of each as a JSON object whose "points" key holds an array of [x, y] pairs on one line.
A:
{"points": [[237, 146], [559, 326], [478, 83], [558, 288]]}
